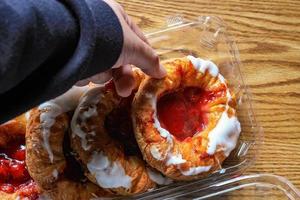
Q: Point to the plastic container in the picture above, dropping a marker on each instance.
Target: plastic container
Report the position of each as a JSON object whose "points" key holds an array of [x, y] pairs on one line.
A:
{"points": [[258, 187], [207, 37]]}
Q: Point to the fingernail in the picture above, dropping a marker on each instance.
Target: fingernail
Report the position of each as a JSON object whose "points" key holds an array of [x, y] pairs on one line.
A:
{"points": [[124, 93], [162, 71], [124, 87]]}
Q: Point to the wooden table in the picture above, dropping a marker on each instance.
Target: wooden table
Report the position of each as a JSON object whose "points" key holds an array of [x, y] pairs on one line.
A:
{"points": [[268, 37]]}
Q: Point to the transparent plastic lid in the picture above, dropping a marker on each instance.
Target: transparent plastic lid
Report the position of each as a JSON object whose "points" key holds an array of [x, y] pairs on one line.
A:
{"points": [[258, 187], [207, 37]]}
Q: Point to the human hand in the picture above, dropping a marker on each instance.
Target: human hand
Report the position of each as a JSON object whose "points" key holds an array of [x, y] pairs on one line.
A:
{"points": [[136, 51]]}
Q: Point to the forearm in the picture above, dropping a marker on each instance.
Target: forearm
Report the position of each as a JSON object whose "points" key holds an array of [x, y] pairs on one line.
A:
{"points": [[53, 45], [32, 34]]}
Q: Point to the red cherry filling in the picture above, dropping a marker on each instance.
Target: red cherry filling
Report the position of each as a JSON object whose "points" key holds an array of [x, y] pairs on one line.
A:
{"points": [[13, 171], [185, 112], [29, 190]]}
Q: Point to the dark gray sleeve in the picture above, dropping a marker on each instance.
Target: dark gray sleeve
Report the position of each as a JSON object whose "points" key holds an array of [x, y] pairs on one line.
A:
{"points": [[46, 46]]}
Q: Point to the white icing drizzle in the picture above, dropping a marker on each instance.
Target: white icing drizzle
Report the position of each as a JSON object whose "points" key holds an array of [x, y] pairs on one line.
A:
{"points": [[92, 111], [163, 132], [76, 130], [155, 152], [51, 109], [90, 99], [196, 170], [170, 158], [27, 115], [224, 135], [69, 100], [158, 178], [55, 173], [203, 65], [175, 159], [109, 174]]}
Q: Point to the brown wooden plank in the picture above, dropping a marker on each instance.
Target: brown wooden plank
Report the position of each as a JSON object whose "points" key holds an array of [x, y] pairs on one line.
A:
{"points": [[268, 37]]}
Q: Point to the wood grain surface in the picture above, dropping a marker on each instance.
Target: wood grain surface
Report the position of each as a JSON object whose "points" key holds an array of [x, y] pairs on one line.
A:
{"points": [[268, 37]]}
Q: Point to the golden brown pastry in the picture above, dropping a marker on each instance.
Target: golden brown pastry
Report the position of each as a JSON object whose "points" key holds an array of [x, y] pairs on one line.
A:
{"points": [[185, 124], [48, 155], [47, 163], [108, 161], [15, 182], [28, 191]]}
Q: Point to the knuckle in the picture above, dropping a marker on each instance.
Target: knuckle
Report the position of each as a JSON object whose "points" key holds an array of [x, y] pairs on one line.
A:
{"points": [[154, 58]]}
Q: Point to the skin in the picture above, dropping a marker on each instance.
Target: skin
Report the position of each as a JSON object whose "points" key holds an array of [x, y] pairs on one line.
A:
{"points": [[136, 51]]}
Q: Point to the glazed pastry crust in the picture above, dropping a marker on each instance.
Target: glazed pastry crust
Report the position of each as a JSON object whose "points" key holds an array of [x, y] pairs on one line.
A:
{"points": [[180, 73], [41, 168], [101, 141], [6, 196], [12, 130], [31, 192]]}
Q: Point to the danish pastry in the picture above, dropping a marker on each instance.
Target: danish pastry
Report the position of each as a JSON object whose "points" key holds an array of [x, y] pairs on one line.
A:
{"points": [[185, 124], [15, 182], [90, 142], [46, 154], [109, 163]]}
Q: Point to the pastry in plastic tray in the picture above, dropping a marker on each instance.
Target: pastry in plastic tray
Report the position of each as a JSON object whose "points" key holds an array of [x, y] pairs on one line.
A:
{"points": [[90, 142], [47, 162], [48, 153], [185, 123], [102, 136]]}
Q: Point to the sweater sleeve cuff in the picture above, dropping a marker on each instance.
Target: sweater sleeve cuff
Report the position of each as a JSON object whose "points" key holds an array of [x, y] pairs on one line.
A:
{"points": [[99, 46], [109, 36], [101, 37]]}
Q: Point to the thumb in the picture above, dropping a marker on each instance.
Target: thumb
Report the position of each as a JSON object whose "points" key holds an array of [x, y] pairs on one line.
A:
{"points": [[124, 80]]}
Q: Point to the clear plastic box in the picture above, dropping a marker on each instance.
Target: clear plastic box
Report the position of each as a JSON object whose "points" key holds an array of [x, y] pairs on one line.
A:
{"points": [[207, 37], [258, 187]]}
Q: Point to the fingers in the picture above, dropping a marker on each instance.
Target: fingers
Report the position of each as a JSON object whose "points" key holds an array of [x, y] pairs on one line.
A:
{"points": [[135, 28], [101, 77], [124, 80], [145, 58], [140, 53], [136, 51], [98, 78]]}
